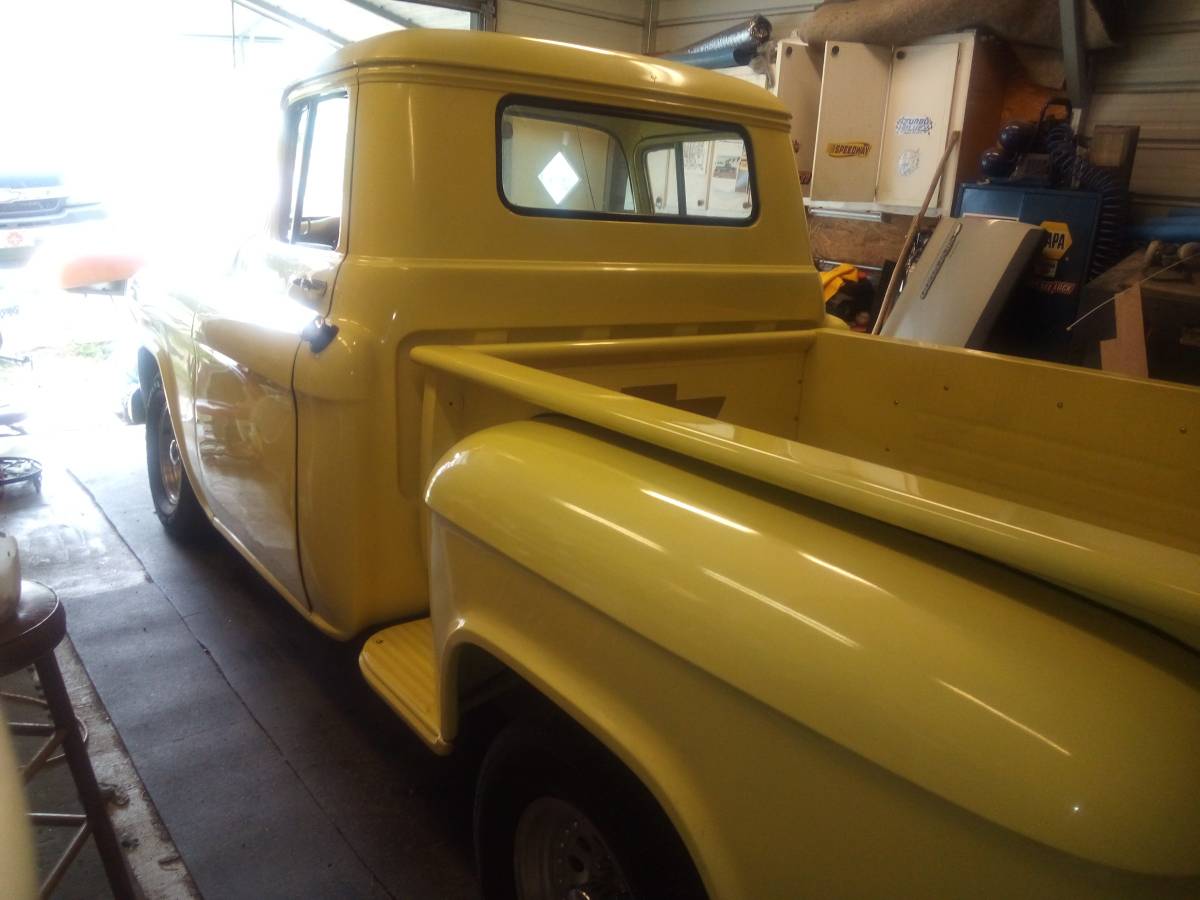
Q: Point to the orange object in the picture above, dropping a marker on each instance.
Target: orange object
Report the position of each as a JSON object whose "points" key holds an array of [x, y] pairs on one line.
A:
{"points": [[82, 271], [832, 281]]}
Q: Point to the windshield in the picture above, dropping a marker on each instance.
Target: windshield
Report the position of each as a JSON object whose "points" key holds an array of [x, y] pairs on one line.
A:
{"points": [[581, 162]]}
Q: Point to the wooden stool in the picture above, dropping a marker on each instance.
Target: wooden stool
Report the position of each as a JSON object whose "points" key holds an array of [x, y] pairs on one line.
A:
{"points": [[27, 639]]}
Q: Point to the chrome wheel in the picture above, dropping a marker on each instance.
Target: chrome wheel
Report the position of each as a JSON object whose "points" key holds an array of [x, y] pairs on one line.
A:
{"points": [[559, 854], [170, 464], [174, 502]]}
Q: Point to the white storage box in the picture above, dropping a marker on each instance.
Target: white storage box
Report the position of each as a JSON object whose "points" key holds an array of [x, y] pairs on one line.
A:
{"points": [[885, 113]]}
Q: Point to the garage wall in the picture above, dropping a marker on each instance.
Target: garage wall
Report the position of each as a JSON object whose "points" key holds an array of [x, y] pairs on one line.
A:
{"points": [[1154, 81], [614, 25], [680, 22]]}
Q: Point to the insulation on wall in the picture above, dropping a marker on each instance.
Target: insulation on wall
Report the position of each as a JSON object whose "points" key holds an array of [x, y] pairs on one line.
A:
{"points": [[613, 25], [1154, 81]]}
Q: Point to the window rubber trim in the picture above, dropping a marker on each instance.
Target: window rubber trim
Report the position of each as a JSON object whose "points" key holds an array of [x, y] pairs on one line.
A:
{"points": [[550, 104]]}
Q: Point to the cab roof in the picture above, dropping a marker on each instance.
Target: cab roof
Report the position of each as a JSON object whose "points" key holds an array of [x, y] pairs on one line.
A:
{"points": [[508, 55]]}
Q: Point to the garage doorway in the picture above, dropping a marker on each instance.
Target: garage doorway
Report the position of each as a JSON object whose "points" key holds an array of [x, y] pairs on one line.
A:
{"points": [[152, 133]]}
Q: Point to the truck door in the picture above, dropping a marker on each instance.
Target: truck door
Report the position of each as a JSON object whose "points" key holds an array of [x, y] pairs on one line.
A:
{"points": [[247, 337]]}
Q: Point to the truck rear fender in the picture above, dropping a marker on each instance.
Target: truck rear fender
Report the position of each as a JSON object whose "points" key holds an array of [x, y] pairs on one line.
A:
{"points": [[1009, 698]]}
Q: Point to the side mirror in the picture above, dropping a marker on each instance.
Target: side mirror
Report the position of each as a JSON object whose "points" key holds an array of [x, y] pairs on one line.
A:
{"points": [[103, 274]]}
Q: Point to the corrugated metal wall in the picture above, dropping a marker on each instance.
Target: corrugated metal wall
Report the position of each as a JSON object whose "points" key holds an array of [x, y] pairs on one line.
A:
{"points": [[1154, 81], [680, 22], [611, 24]]}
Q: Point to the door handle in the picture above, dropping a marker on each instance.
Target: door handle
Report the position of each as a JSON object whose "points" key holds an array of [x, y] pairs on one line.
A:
{"points": [[319, 334], [309, 285]]}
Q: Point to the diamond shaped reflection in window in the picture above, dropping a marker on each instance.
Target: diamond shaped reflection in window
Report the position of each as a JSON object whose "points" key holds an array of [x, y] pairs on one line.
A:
{"points": [[558, 178]]}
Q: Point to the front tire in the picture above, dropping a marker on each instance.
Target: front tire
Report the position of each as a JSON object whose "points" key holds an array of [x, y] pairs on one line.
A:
{"points": [[175, 503], [557, 817], [135, 407]]}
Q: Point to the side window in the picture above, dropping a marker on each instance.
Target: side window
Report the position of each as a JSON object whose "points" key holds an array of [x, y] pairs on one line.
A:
{"points": [[708, 178], [318, 167]]}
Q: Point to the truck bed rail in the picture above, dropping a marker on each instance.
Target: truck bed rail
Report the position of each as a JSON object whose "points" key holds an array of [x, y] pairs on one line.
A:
{"points": [[1157, 584]]}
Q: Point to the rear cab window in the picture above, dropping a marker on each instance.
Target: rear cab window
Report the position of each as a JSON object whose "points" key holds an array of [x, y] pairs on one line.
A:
{"points": [[576, 161]]}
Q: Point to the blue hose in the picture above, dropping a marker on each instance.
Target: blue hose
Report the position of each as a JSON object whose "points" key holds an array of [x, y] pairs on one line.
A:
{"points": [[1178, 230], [734, 46], [720, 58]]}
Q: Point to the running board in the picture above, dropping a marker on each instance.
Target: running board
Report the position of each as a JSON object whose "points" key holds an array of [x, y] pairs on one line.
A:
{"points": [[398, 664]]}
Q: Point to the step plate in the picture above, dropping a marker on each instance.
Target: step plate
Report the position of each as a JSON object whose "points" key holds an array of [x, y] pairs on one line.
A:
{"points": [[398, 664]]}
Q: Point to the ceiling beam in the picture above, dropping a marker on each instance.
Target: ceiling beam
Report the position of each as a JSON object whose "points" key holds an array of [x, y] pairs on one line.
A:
{"points": [[284, 17], [243, 37], [473, 6], [385, 13], [591, 12], [729, 16]]}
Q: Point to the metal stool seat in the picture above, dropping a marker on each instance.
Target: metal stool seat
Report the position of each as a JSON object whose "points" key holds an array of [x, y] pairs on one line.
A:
{"points": [[29, 638]]}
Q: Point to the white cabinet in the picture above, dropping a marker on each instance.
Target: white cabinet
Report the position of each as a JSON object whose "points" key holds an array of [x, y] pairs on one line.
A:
{"points": [[798, 85], [916, 123], [854, 87], [883, 116]]}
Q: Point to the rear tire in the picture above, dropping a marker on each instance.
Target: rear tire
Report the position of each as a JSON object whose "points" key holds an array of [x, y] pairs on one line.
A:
{"points": [[558, 817], [135, 407], [175, 503]]}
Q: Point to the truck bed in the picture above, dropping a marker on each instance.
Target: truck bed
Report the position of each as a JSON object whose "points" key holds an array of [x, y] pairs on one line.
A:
{"points": [[1088, 480]]}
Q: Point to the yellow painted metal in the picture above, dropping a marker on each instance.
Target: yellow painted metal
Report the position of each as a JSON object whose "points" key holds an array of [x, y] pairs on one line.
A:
{"points": [[18, 862], [1073, 524], [399, 663], [224, 335], [297, 602], [434, 256], [485, 60], [428, 225], [803, 688], [165, 319]]}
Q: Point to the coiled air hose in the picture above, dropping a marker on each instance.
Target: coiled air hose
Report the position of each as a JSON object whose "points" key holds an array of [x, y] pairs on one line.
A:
{"points": [[1073, 171], [735, 46]]}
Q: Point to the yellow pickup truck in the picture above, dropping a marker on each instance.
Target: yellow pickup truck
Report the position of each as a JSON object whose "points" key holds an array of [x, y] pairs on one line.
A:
{"points": [[527, 386]]}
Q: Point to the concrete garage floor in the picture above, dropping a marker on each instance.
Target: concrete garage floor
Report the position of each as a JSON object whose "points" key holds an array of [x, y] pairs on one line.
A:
{"points": [[147, 846], [276, 771]]}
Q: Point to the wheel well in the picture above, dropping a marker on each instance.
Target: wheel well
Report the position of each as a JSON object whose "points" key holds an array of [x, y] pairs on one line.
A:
{"points": [[147, 368], [490, 696]]}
